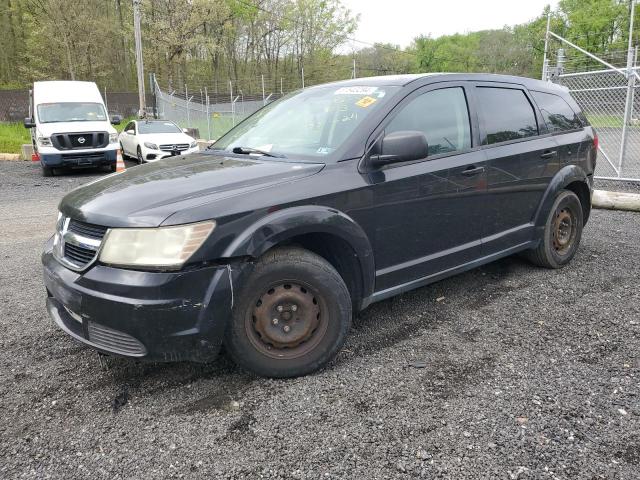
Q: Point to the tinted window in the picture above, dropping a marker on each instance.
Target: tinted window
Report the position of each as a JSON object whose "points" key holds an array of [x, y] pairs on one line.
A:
{"points": [[557, 113], [130, 126], [506, 114], [443, 117]]}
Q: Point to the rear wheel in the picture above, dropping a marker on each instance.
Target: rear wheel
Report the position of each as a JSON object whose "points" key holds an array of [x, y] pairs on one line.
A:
{"points": [[562, 233], [47, 171], [122, 152], [292, 316]]}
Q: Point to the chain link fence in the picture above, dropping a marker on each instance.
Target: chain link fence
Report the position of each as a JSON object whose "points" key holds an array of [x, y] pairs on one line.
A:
{"points": [[610, 100]]}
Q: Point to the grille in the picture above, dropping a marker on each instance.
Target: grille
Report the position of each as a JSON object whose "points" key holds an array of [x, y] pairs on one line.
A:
{"points": [[114, 340], [87, 229], [78, 255], [177, 147], [82, 157], [71, 141]]}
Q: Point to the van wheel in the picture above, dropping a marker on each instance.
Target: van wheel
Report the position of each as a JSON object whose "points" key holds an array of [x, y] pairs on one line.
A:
{"points": [[47, 171], [562, 233], [292, 316]]}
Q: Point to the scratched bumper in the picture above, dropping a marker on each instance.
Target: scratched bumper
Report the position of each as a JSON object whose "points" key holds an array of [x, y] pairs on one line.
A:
{"points": [[146, 315]]}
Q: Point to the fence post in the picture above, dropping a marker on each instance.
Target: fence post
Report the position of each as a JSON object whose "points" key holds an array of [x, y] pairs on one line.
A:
{"points": [[281, 86], [262, 79], [628, 108], [233, 113], [206, 97], [302, 74], [545, 60], [186, 97]]}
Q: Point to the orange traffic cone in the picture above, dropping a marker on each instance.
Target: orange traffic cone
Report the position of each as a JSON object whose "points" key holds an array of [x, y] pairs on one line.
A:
{"points": [[119, 162]]}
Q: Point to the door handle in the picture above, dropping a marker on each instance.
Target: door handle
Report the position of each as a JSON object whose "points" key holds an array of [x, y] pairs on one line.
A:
{"points": [[548, 154], [472, 170]]}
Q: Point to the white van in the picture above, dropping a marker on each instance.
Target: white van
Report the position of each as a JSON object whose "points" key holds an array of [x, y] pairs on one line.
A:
{"points": [[70, 126]]}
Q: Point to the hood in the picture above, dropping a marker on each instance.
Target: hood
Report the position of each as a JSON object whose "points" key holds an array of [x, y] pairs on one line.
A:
{"points": [[146, 195], [48, 129], [164, 138]]}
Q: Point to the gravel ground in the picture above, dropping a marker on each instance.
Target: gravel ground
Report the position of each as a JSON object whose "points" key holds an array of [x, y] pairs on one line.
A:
{"points": [[617, 186], [507, 371]]}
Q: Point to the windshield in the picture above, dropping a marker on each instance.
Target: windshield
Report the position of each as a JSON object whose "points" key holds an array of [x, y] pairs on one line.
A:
{"points": [[71, 112], [158, 127], [311, 123]]}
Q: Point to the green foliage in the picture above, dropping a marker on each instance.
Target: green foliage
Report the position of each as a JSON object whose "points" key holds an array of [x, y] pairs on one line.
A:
{"points": [[12, 136]]}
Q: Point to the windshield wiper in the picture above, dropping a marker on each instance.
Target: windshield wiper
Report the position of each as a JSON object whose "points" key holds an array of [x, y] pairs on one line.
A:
{"points": [[249, 150]]}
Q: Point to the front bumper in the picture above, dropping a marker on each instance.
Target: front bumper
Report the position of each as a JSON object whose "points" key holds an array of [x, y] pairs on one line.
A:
{"points": [[78, 159], [156, 316], [152, 155]]}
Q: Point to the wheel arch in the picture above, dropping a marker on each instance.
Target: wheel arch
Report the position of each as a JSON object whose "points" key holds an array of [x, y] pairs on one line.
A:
{"points": [[324, 231], [570, 177]]}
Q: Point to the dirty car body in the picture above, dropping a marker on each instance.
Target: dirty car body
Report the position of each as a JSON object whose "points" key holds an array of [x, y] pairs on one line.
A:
{"points": [[386, 226]]}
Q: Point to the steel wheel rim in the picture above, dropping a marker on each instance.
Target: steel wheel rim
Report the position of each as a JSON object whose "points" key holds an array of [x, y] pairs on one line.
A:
{"points": [[564, 230], [287, 320]]}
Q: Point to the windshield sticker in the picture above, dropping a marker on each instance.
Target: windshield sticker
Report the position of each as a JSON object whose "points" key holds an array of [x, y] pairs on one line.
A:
{"points": [[323, 151], [365, 102], [355, 90]]}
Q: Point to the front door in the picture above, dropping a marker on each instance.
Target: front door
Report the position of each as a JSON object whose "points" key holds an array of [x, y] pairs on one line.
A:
{"points": [[428, 213]]}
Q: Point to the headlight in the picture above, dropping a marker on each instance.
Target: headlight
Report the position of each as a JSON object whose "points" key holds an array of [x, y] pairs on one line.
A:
{"points": [[113, 138], [168, 247], [44, 141], [194, 144], [150, 145]]}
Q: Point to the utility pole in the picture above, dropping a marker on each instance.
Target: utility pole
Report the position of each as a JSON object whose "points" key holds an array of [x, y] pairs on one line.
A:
{"points": [[545, 61], [139, 62]]}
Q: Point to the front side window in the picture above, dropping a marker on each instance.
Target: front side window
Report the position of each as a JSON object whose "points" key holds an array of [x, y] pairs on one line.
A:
{"points": [[309, 124], [131, 126], [71, 112], [557, 113], [506, 114], [442, 115]]}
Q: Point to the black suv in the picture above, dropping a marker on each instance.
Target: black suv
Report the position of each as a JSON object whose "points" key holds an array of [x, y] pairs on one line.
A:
{"points": [[314, 207]]}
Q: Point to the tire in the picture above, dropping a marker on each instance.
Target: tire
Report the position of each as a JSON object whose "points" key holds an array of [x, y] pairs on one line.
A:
{"points": [[292, 316], [139, 156], [562, 233], [124, 155], [47, 171]]}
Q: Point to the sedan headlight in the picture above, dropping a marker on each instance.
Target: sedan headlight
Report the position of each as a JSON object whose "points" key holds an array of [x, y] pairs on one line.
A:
{"points": [[150, 145], [44, 141], [113, 137], [163, 247], [193, 144]]}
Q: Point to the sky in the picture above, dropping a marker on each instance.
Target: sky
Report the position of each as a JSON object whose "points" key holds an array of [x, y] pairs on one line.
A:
{"points": [[400, 21]]}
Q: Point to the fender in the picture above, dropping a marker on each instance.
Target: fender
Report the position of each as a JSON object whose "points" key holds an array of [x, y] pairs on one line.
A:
{"points": [[290, 222], [566, 175]]}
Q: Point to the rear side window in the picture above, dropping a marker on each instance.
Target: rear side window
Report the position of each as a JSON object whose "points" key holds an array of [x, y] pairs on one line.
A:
{"points": [[557, 113], [442, 115], [506, 114]]}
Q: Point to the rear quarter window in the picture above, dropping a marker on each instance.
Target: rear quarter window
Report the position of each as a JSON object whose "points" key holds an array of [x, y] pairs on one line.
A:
{"points": [[557, 113]]}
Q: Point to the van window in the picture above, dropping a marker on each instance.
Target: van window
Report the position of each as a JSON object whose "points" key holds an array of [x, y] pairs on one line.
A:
{"points": [[506, 114], [442, 115], [557, 113], [71, 112]]}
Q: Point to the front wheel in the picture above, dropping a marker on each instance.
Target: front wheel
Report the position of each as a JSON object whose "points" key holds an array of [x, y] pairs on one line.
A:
{"points": [[140, 156], [47, 171], [562, 233], [292, 316]]}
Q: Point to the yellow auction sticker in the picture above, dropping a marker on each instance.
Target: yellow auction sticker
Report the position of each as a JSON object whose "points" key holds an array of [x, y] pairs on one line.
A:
{"points": [[364, 102]]}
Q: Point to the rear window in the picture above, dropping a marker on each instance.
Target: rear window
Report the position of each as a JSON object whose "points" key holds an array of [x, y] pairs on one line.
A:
{"points": [[506, 114], [557, 113]]}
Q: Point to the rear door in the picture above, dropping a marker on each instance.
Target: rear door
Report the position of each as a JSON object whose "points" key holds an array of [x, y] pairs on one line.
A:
{"points": [[522, 160], [429, 212]]}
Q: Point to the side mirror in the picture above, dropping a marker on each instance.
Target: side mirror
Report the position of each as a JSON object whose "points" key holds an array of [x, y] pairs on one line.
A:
{"points": [[130, 132], [400, 147], [29, 123], [185, 130], [116, 119]]}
